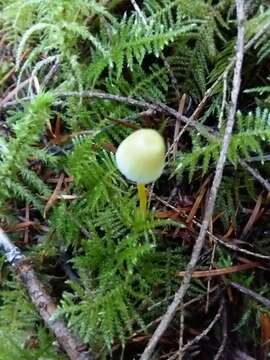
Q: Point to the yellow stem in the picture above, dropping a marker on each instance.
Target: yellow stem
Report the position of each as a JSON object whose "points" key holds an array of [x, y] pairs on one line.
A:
{"points": [[142, 197]]}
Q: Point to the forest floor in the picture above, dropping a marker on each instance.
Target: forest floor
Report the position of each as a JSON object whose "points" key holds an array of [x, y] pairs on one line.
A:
{"points": [[84, 273]]}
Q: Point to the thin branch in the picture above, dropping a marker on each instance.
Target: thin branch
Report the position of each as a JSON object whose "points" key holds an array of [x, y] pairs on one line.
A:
{"points": [[238, 249], [210, 268], [177, 135], [199, 337], [224, 99], [185, 305], [43, 302], [206, 330], [181, 333], [213, 192], [224, 333], [261, 299], [255, 173], [155, 106]]}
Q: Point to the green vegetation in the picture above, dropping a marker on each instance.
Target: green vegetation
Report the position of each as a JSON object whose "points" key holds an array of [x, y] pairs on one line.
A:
{"points": [[122, 266]]}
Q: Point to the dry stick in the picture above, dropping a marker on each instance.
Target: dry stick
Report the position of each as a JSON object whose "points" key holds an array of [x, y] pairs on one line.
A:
{"points": [[181, 333], [190, 302], [255, 214], [224, 99], [210, 268], [43, 302], [238, 249], [155, 106], [214, 189], [176, 136], [255, 173], [261, 299], [224, 333], [203, 333]]}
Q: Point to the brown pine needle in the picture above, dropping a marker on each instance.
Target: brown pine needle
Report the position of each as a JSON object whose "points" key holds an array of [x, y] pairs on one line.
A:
{"points": [[54, 195], [222, 271]]}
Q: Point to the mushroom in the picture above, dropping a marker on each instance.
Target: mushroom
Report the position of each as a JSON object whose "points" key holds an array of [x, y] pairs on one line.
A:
{"points": [[141, 158]]}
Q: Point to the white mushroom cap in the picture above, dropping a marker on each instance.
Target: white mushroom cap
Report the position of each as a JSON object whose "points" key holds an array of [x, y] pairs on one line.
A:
{"points": [[141, 156]]}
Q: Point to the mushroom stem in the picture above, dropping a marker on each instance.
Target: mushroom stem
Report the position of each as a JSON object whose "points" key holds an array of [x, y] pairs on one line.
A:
{"points": [[142, 197]]}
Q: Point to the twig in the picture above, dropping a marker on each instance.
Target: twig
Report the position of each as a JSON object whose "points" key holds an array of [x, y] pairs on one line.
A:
{"points": [[155, 106], [202, 334], [177, 136], [150, 106], [181, 350], [118, 98], [224, 333], [138, 10], [224, 100], [244, 251], [205, 331], [261, 299], [188, 303], [210, 268], [260, 158], [43, 302], [213, 192], [254, 172]]}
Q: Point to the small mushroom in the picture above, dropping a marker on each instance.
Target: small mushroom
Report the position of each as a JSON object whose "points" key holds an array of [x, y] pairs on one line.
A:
{"points": [[141, 158]]}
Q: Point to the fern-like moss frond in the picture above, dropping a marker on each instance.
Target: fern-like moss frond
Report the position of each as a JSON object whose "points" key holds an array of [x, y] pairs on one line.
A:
{"points": [[251, 135], [16, 178]]}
